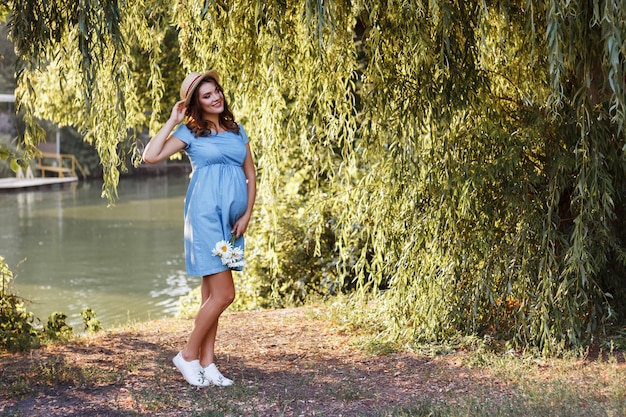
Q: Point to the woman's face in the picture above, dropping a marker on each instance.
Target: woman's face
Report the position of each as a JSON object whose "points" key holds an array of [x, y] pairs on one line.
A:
{"points": [[210, 98]]}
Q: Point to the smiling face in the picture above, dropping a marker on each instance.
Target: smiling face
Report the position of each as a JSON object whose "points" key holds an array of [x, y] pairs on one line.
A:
{"points": [[210, 99]]}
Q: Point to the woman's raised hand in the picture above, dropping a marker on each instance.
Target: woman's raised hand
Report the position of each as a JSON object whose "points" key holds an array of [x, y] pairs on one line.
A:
{"points": [[178, 112], [159, 147]]}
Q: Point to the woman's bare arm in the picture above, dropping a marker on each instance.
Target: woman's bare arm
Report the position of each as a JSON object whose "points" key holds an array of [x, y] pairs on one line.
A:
{"points": [[162, 145]]}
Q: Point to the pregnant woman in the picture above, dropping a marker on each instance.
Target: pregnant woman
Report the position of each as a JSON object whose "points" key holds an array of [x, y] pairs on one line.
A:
{"points": [[218, 206]]}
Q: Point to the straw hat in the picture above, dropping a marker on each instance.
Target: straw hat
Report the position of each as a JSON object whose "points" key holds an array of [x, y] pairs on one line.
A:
{"points": [[192, 80]]}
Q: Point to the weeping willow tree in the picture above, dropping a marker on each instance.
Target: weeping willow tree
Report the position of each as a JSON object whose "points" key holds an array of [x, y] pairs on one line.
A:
{"points": [[458, 162]]}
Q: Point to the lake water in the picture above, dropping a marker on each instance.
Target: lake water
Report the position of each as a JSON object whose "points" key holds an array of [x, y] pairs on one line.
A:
{"points": [[68, 250]]}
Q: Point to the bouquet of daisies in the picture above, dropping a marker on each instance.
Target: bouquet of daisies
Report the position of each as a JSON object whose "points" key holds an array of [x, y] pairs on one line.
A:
{"points": [[231, 256]]}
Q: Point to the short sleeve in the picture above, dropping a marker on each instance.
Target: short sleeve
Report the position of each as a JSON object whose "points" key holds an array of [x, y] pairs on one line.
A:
{"points": [[183, 133], [243, 134]]}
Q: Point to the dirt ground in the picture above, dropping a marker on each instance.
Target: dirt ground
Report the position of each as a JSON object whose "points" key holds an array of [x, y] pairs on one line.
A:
{"points": [[285, 362]]}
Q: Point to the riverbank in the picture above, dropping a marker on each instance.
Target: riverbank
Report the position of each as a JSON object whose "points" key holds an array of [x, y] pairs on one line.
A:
{"points": [[298, 362]]}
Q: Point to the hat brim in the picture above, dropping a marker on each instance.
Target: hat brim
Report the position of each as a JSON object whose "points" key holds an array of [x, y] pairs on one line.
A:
{"points": [[196, 82]]}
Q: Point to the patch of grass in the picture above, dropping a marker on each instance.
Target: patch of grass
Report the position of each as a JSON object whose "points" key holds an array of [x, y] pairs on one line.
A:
{"points": [[58, 371], [567, 386], [617, 341], [11, 413], [155, 397], [376, 347], [239, 399], [209, 413], [346, 391], [51, 372], [16, 386], [132, 362], [557, 401], [55, 370]]}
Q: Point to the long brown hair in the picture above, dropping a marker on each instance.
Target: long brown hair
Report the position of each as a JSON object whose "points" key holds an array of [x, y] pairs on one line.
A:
{"points": [[201, 127]]}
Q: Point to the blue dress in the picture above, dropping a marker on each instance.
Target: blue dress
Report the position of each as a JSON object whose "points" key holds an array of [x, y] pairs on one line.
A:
{"points": [[216, 197]]}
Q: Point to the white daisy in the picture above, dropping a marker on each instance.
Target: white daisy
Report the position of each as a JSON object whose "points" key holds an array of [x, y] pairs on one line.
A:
{"points": [[236, 264], [237, 254], [232, 257], [223, 249]]}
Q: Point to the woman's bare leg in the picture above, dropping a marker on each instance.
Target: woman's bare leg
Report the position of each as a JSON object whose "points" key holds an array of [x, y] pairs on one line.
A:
{"points": [[207, 349], [220, 294]]}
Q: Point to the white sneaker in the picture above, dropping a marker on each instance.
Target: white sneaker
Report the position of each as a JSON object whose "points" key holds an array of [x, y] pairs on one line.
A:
{"points": [[191, 370], [212, 376]]}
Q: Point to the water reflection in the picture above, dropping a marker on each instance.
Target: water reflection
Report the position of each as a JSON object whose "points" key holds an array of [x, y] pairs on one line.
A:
{"points": [[125, 262]]}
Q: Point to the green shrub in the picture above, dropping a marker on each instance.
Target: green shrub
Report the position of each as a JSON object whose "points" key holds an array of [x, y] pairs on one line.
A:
{"points": [[17, 332], [92, 324], [17, 325], [57, 328]]}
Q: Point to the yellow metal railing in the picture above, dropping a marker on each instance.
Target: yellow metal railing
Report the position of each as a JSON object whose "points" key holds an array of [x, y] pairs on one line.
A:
{"points": [[61, 164]]}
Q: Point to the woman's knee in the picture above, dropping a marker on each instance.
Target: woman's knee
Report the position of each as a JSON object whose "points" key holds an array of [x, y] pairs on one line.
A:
{"points": [[224, 298], [229, 298], [220, 289]]}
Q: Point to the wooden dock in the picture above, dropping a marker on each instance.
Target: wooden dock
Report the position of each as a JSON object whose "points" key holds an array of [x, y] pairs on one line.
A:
{"points": [[18, 183], [64, 166]]}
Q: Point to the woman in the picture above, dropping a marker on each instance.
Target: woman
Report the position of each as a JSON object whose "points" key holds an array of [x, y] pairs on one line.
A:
{"points": [[218, 207]]}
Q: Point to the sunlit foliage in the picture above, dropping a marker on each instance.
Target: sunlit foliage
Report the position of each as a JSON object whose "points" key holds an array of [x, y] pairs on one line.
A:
{"points": [[20, 329], [459, 162]]}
